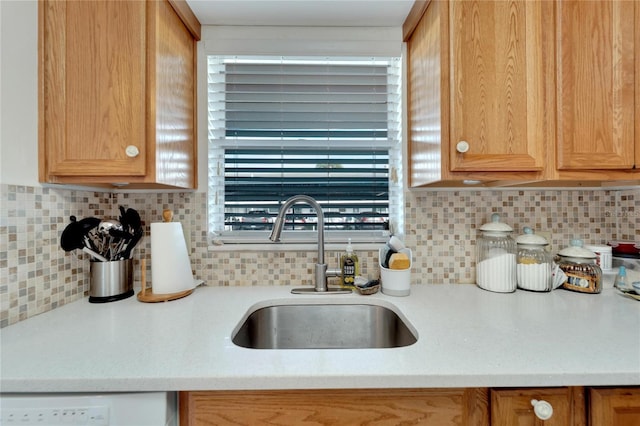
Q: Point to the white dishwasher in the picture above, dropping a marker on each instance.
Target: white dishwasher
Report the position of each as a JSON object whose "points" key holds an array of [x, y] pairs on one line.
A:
{"points": [[89, 409]]}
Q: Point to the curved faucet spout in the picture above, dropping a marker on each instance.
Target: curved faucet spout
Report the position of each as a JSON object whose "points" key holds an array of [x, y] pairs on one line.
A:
{"points": [[279, 222], [321, 272]]}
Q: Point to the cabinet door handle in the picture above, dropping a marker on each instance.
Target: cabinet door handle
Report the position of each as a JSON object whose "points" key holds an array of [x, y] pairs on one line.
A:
{"points": [[462, 147], [132, 151], [543, 409]]}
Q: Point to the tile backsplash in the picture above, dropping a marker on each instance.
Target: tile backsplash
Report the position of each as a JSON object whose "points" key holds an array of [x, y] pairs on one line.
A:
{"points": [[36, 275]]}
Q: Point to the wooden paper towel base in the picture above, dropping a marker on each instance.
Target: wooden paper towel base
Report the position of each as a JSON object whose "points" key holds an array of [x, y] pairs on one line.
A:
{"points": [[146, 295]]}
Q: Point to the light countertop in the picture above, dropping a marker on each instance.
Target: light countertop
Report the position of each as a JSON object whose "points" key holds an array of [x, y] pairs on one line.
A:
{"points": [[467, 337]]}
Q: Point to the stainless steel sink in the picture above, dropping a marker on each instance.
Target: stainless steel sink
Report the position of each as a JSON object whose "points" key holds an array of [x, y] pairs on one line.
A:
{"points": [[323, 326]]}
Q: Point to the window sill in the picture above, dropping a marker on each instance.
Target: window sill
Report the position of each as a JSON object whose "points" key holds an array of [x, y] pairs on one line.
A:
{"points": [[279, 247]]}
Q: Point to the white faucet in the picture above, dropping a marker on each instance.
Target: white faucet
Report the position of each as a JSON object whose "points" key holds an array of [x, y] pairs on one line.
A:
{"points": [[321, 271]]}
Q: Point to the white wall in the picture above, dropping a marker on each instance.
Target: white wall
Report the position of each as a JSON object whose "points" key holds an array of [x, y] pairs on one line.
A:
{"points": [[19, 92]]}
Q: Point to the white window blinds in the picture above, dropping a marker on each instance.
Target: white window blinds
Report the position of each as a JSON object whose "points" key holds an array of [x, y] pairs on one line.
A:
{"points": [[325, 128]]}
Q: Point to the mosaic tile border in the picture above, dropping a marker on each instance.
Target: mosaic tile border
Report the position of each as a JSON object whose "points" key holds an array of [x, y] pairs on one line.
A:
{"points": [[36, 275]]}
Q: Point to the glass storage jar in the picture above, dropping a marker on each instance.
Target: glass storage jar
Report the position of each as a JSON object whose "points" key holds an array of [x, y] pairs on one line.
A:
{"points": [[533, 262], [496, 257], [581, 273]]}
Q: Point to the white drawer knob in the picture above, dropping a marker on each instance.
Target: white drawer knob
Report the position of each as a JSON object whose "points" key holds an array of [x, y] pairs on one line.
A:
{"points": [[132, 151], [543, 409], [462, 147]]}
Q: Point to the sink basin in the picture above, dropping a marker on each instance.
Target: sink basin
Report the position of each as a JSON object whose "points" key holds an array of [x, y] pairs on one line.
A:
{"points": [[323, 326]]}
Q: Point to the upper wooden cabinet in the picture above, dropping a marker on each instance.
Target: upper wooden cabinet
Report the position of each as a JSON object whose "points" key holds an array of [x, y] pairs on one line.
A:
{"points": [[496, 86], [598, 88], [477, 92], [117, 93], [523, 91]]}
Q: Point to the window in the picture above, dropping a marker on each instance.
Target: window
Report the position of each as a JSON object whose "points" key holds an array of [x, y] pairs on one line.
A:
{"points": [[327, 128]]}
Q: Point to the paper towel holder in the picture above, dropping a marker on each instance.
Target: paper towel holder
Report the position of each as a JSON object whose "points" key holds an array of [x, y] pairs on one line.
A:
{"points": [[147, 295], [167, 215]]}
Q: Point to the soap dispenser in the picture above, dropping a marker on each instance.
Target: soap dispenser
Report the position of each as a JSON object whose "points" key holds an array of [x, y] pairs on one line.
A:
{"points": [[349, 266]]}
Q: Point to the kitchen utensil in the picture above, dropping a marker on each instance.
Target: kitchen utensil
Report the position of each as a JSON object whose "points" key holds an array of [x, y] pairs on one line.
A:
{"points": [[120, 235], [94, 254], [90, 244], [127, 249], [88, 223], [108, 228], [75, 232], [73, 236], [95, 240], [122, 215], [107, 225], [132, 220]]}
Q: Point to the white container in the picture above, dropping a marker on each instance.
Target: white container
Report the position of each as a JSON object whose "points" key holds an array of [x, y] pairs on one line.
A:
{"points": [[534, 277], [604, 255], [396, 282], [497, 272], [496, 257], [533, 262]]}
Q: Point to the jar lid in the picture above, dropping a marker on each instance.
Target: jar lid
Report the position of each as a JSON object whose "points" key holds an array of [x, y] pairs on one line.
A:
{"points": [[576, 249], [495, 225], [530, 238]]}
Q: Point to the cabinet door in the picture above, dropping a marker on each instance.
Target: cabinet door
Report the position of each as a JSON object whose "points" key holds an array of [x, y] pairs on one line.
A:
{"points": [[427, 100], [499, 67], [438, 407], [93, 88], [172, 99], [513, 407], [615, 407], [596, 56]]}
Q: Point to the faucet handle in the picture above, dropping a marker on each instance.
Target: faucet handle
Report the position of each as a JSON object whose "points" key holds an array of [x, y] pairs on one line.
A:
{"points": [[333, 272]]}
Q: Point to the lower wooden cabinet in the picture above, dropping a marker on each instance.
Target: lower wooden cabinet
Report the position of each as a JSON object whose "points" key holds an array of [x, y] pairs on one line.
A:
{"points": [[572, 406], [441, 407], [614, 406], [516, 406]]}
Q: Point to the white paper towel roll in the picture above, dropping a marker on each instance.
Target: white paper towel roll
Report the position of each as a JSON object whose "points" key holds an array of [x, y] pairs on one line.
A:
{"points": [[170, 264]]}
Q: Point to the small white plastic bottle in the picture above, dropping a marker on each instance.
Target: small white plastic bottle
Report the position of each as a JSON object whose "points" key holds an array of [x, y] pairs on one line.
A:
{"points": [[621, 280]]}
